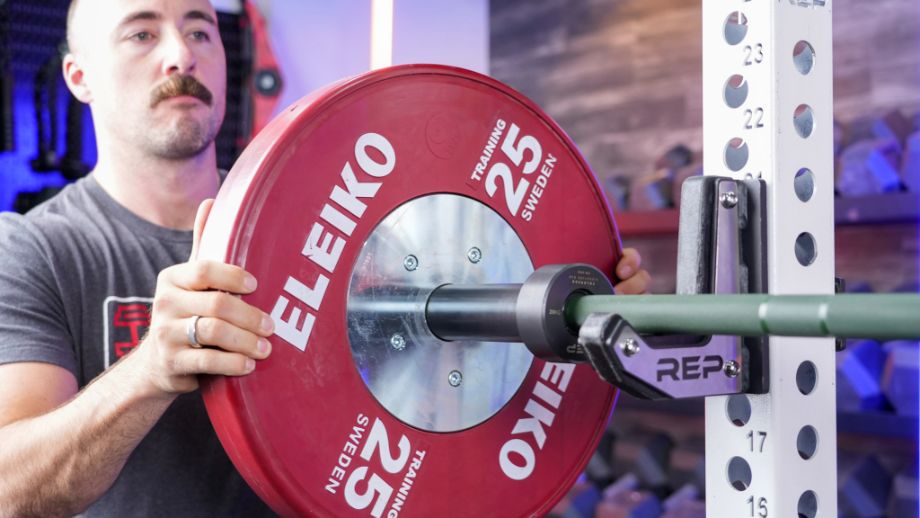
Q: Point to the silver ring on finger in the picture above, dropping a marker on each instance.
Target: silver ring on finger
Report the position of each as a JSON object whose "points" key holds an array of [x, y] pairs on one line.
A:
{"points": [[192, 332]]}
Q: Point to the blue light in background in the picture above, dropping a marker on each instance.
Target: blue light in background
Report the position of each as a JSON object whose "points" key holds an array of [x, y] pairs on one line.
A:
{"points": [[16, 173]]}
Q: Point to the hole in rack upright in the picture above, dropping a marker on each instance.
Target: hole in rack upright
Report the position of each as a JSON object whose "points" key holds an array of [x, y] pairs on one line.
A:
{"points": [[807, 442], [804, 184], [803, 56], [739, 473], [806, 377], [735, 91], [738, 408], [736, 27]]}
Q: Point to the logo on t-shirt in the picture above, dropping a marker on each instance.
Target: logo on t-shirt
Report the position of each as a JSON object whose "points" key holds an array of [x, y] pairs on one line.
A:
{"points": [[126, 320]]}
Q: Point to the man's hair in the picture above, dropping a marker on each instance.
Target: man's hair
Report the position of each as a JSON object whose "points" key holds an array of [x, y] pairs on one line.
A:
{"points": [[70, 13]]}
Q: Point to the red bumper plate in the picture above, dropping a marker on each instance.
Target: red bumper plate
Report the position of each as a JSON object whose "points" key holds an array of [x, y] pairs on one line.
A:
{"points": [[303, 429]]}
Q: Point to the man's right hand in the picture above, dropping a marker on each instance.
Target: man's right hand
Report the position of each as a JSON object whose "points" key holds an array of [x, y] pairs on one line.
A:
{"points": [[232, 334]]}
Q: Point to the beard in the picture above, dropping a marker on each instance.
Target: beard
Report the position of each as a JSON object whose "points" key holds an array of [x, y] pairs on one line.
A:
{"points": [[182, 138]]}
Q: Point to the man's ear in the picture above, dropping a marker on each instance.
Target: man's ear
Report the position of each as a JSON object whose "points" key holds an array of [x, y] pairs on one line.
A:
{"points": [[75, 78]]}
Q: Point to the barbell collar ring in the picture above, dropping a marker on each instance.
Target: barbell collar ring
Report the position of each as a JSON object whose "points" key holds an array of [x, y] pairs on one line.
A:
{"points": [[541, 309]]}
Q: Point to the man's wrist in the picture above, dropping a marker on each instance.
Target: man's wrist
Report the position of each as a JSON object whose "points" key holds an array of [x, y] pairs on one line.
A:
{"points": [[132, 377]]}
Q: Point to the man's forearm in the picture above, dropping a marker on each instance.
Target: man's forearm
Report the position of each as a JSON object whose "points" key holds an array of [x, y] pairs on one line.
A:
{"points": [[58, 463]]}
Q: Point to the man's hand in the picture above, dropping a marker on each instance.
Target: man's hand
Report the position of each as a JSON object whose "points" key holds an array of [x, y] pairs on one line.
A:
{"points": [[633, 279], [232, 334], [61, 453]]}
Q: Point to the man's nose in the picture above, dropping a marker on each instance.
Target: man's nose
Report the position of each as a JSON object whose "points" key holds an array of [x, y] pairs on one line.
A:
{"points": [[179, 57]]}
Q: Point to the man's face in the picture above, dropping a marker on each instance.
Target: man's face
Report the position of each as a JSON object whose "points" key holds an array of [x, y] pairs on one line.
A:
{"points": [[145, 63]]}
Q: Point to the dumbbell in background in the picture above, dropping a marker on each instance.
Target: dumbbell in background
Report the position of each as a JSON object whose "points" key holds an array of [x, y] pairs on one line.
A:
{"points": [[652, 469], [877, 155], [873, 155], [660, 188], [878, 382], [877, 485], [879, 377]]}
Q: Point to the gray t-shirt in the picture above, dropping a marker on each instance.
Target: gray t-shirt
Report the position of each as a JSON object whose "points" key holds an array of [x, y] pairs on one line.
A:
{"points": [[77, 275]]}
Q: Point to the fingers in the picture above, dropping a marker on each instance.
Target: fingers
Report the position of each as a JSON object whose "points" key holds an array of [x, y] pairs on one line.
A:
{"points": [[176, 306], [200, 218], [629, 264], [228, 348], [634, 280], [219, 333], [635, 285], [230, 309], [210, 275], [212, 361]]}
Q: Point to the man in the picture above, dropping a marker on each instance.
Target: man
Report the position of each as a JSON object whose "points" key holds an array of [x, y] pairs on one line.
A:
{"points": [[94, 419]]}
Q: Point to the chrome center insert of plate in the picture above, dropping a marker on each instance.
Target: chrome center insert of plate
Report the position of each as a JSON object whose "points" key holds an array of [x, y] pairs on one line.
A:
{"points": [[423, 381]]}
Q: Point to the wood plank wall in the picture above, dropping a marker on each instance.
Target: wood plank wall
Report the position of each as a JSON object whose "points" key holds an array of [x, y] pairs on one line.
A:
{"points": [[623, 77]]}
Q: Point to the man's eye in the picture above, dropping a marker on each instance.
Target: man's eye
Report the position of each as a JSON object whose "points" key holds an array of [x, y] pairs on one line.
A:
{"points": [[201, 36], [142, 36]]}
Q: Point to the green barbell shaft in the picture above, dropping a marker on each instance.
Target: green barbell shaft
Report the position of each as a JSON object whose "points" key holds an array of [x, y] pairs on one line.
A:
{"points": [[879, 316]]}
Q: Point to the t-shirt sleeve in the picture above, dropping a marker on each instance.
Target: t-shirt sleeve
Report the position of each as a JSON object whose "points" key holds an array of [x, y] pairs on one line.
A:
{"points": [[33, 323]]}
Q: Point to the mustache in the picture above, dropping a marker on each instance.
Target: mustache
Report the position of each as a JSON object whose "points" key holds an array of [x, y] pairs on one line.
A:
{"points": [[177, 85]]}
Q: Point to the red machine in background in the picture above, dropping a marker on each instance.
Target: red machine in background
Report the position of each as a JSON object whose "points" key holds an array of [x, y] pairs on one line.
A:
{"points": [[262, 87]]}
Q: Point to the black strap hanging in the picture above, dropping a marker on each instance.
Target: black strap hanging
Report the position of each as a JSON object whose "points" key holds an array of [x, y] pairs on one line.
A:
{"points": [[7, 137], [46, 120]]}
